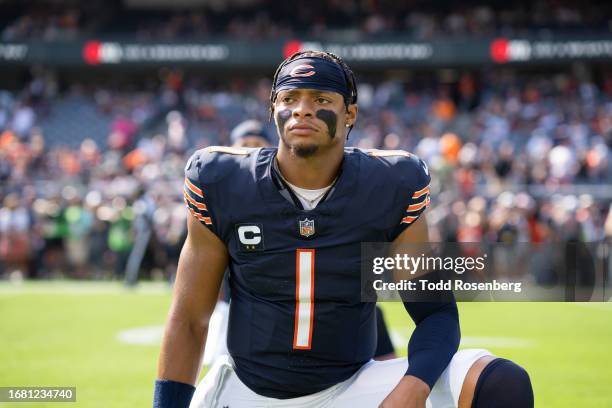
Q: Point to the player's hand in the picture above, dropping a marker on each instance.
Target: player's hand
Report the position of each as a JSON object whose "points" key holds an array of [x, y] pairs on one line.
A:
{"points": [[411, 392]]}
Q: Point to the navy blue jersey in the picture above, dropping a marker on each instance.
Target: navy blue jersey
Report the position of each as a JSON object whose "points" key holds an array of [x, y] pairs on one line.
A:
{"points": [[297, 325]]}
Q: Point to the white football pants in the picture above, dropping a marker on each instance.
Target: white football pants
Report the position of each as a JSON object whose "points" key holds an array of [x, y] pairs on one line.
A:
{"points": [[368, 387], [216, 341]]}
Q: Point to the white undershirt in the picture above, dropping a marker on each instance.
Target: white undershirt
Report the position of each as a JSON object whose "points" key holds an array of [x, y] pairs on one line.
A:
{"points": [[309, 198]]}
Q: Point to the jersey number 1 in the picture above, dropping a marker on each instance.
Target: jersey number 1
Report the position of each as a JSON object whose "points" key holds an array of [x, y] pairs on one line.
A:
{"points": [[304, 299]]}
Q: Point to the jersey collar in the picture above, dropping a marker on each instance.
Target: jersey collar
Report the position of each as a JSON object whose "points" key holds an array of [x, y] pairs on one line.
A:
{"points": [[346, 182]]}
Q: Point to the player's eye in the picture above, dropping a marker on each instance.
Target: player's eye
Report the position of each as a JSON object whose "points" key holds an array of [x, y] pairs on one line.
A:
{"points": [[287, 99], [323, 100]]}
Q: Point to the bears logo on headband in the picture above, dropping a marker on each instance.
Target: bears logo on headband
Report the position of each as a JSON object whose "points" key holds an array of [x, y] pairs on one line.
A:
{"points": [[313, 73], [302, 71]]}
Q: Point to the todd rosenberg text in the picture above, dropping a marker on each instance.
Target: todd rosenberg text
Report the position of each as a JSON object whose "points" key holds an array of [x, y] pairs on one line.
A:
{"points": [[449, 284]]}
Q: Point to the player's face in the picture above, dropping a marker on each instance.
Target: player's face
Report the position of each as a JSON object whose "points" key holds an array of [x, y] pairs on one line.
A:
{"points": [[310, 120]]}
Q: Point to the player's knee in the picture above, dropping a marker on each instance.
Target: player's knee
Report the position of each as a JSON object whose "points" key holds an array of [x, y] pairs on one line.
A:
{"points": [[503, 384]]}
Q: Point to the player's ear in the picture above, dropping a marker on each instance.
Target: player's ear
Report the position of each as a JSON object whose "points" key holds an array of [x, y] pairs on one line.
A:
{"points": [[351, 114]]}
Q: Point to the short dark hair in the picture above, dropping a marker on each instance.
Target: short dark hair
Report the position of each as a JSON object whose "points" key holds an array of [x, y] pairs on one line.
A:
{"points": [[348, 73]]}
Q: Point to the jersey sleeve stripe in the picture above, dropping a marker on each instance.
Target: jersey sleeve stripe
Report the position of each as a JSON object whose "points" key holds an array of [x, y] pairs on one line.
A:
{"points": [[199, 206], [192, 212], [421, 192], [416, 207], [205, 220], [408, 220], [193, 188]]}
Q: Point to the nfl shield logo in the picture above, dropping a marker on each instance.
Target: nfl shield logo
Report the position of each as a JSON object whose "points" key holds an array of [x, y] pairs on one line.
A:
{"points": [[307, 227]]}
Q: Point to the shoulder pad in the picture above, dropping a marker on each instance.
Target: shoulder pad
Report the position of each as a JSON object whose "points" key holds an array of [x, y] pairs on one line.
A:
{"points": [[214, 163], [406, 167]]}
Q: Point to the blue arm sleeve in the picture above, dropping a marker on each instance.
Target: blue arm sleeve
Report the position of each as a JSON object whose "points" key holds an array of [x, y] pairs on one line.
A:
{"points": [[435, 339]]}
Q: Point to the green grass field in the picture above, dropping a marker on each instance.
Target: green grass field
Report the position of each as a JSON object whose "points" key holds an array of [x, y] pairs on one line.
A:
{"points": [[66, 334]]}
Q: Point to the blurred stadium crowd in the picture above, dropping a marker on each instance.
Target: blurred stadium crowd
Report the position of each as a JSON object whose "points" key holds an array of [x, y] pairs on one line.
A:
{"points": [[88, 172], [264, 19]]}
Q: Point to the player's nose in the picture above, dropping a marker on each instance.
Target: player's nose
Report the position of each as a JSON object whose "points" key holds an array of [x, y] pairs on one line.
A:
{"points": [[303, 108]]}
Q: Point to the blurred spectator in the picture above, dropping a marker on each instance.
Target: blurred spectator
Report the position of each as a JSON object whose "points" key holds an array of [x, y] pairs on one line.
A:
{"points": [[249, 133], [23, 119], [79, 222], [120, 234], [15, 240]]}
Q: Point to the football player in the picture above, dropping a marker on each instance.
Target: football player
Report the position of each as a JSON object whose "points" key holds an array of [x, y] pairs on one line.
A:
{"points": [[251, 133], [288, 222]]}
